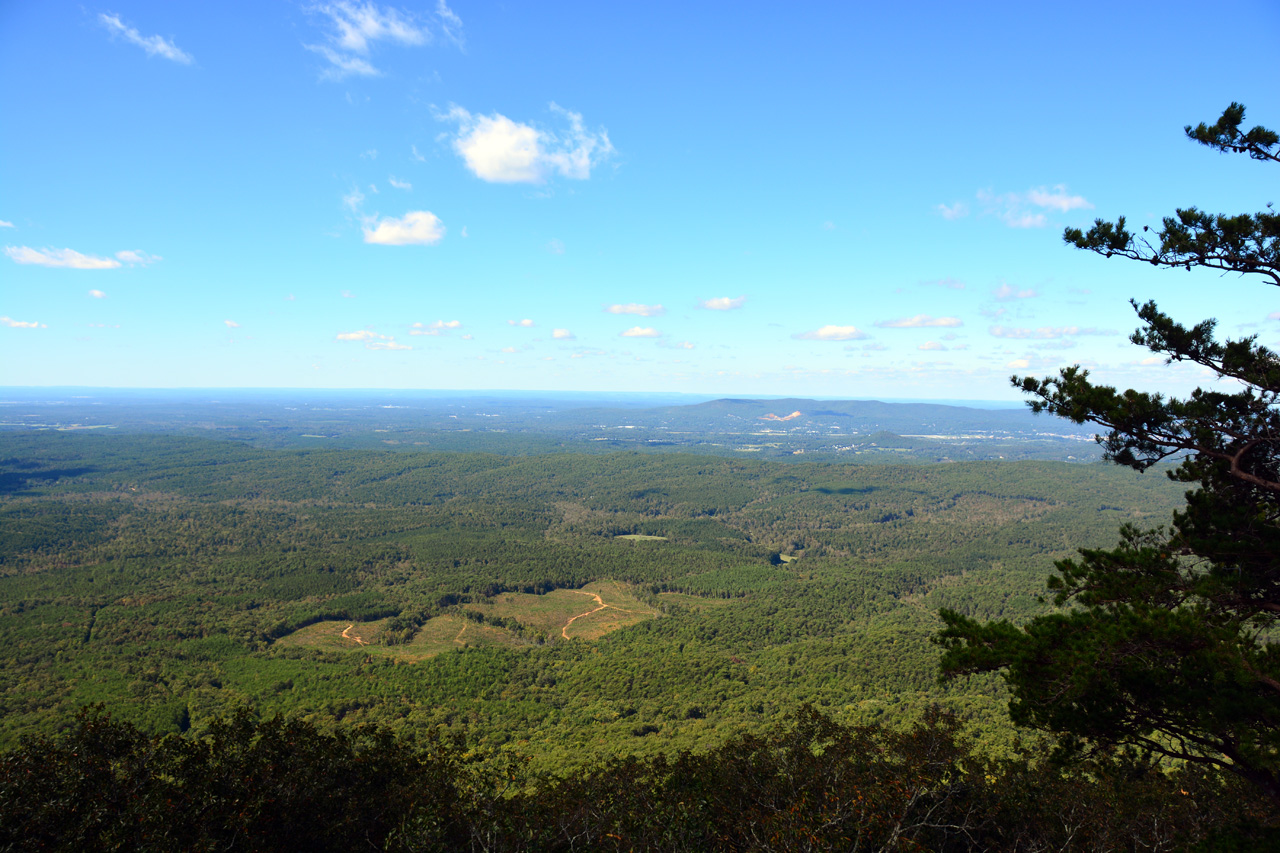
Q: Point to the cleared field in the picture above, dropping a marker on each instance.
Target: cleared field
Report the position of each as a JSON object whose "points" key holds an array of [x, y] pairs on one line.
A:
{"points": [[335, 636], [586, 613], [446, 633], [640, 537]]}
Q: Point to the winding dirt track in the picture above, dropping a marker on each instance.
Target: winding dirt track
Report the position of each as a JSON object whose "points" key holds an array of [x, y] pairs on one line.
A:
{"points": [[347, 635], [564, 632]]}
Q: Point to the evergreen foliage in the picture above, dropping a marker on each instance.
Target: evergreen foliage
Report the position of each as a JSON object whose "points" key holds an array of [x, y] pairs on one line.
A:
{"points": [[1169, 639]]}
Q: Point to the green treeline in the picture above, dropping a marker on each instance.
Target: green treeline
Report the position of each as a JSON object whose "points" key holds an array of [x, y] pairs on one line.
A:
{"points": [[811, 784]]}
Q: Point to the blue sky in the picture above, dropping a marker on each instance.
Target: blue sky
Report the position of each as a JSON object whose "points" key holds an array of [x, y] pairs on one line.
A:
{"points": [[842, 200]]}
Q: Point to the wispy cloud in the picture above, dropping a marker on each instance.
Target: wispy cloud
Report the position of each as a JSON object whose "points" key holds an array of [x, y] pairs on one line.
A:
{"points": [[920, 321], [723, 303], [636, 308], [563, 335], [958, 210], [1058, 199], [525, 323], [137, 258], [153, 45], [499, 150], [355, 28], [1047, 332], [949, 283], [97, 294], [932, 346], [439, 327], [831, 333], [1026, 210], [1006, 293], [555, 247], [5, 224], [640, 332], [231, 324], [398, 184], [63, 258], [415, 228], [372, 340], [21, 324]]}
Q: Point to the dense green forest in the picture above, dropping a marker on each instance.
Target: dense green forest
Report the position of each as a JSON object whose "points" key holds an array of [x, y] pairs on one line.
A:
{"points": [[177, 580]]}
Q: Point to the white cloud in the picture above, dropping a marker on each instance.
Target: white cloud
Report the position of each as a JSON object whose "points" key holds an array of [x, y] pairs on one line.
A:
{"points": [[1023, 210], [931, 346], [347, 294], [449, 23], [65, 258], [21, 324], [1046, 332], [344, 65], [4, 224], [509, 350], [97, 294], [526, 323], [683, 345], [372, 340], [949, 283], [640, 332], [723, 303], [439, 327], [920, 321], [416, 155], [953, 211], [400, 185], [636, 308], [231, 324], [1058, 199], [562, 335], [415, 228], [356, 27], [1005, 293], [832, 333], [137, 257], [499, 150], [153, 45], [555, 247], [463, 232]]}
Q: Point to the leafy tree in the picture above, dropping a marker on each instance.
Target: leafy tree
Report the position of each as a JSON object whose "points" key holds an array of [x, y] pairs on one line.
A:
{"points": [[1169, 640]]}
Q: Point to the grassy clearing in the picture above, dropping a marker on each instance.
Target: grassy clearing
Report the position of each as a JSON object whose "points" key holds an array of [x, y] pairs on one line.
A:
{"points": [[640, 537], [559, 614], [338, 636]]}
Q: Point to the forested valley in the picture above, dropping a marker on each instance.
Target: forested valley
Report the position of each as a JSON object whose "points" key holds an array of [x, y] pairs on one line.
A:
{"points": [[558, 623]]}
